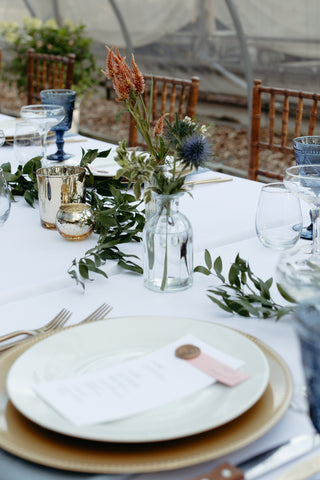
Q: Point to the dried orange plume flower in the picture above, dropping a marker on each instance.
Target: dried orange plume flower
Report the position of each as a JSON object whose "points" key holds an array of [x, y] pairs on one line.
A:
{"points": [[110, 72], [124, 79], [138, 78], [158, 128]]}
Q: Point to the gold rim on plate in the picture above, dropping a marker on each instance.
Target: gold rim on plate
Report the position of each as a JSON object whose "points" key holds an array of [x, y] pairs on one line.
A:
{"points": [[25, 439]]}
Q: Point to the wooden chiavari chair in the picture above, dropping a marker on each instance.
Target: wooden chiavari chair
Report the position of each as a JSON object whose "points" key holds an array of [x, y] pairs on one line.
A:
{"points": [[46, 71], [292, 112], [169, 95]]}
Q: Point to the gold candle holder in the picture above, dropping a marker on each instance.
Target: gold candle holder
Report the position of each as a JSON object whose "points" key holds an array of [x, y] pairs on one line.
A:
{"points": [[58, 185], [75, 221]]}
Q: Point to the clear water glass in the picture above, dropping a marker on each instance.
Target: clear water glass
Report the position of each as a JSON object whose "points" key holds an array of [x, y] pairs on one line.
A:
{"points": [[27, 142], [304, 182], [5, 201], [2, 138], [64, 98], [298, 269], [278, 217]]}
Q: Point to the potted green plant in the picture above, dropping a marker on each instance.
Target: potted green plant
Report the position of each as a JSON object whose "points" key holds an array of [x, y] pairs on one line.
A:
{"points": [[48, 37]]}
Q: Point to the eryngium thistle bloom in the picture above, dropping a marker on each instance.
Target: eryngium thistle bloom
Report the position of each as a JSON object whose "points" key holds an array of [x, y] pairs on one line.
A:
{"points": [[195, 151]]}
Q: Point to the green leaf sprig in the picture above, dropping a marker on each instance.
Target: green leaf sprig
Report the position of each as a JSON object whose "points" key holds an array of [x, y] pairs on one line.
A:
{"points": [[24, 181], [118, 221], [243, 292]]}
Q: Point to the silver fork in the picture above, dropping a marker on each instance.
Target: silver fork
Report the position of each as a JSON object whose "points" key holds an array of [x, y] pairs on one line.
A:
{"points": [[58, 321], [98, 314]]}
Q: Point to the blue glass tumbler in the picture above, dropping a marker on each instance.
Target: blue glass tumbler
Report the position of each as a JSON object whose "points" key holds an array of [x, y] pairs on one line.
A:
{"points": [[307, 152], [65, 98], [308, 328]]}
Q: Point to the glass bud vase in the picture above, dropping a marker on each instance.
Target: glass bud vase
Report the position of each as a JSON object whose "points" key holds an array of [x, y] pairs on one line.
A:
{"points": [[168, 247]]}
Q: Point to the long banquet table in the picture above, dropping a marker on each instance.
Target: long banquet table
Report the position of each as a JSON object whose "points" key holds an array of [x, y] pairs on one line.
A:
{"points": [[34, 285]]}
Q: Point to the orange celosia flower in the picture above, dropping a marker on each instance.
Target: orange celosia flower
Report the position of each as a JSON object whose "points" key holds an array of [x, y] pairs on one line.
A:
{"points": [[124, 79], [158, 129], [110, 72], [138, 78]]}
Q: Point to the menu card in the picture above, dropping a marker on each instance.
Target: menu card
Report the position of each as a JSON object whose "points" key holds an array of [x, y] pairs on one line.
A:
{"points": [[133, 386]]}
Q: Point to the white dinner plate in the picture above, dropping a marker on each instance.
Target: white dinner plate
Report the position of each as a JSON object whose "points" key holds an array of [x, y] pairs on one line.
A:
{"points": [[96, 345]]}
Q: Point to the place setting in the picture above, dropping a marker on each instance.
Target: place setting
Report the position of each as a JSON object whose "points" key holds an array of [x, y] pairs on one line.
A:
{"points": [[173, 435], [206, 357]]}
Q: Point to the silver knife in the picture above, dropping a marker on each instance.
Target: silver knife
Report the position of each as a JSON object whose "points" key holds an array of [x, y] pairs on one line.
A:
{"points": [[265, 462]]}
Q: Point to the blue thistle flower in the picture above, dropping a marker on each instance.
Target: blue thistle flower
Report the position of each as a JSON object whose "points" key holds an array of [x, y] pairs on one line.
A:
{"points": [[195, 151]]}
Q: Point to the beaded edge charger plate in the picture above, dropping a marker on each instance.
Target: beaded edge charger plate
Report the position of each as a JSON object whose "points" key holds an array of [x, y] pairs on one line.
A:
{"points": [[25, 439], [116, 340]]}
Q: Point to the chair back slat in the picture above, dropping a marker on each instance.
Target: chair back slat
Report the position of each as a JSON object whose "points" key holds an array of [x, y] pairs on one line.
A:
{"points": [[173, 103], [45, 71], [291, 113], [297, 129], [164, 98], [271, 118], [170, 96], [285, 117], [182, 101], [313, 117], [154, 101]]}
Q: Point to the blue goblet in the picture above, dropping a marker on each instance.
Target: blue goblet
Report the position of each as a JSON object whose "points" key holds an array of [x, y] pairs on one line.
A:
{"points": [[307, 152], [65, 98]]}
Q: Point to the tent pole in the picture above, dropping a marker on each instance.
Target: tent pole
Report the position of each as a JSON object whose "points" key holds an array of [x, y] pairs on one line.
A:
{"points": [[123, 27], [244, 50]]}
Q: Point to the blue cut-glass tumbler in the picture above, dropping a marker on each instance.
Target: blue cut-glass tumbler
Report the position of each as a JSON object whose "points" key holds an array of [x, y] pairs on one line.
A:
{"points": [[65, 98], [307, 317]]}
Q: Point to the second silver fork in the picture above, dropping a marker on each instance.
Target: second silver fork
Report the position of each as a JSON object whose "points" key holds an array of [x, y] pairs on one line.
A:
{"points": [[98, 314]]}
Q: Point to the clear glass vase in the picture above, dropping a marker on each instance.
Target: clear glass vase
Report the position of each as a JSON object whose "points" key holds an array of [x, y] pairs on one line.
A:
{"points": [[151, 206], [168, 247]]}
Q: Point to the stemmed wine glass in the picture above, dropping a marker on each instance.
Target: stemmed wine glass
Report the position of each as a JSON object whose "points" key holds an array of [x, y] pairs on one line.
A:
{"points": [[65, 98], [307, 152], [298, 269], [45, 117]]}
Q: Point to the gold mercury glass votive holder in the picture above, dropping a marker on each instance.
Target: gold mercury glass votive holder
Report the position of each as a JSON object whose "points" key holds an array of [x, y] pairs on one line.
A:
{"points": [[75, 221], [58, 185]]}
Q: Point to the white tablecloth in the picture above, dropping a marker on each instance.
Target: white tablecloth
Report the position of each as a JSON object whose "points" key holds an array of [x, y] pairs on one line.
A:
{"points": [[34, 285]]}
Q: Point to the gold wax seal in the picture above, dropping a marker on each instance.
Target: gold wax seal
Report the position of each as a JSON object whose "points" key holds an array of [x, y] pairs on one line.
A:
{"points": [[186, 352]]}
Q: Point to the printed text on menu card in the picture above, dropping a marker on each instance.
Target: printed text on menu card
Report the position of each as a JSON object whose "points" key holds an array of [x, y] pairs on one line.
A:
{"points": [[132, 387]]}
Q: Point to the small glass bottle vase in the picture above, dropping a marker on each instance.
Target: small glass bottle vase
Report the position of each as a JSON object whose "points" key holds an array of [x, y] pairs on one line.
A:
{"points": [[168, 247]]}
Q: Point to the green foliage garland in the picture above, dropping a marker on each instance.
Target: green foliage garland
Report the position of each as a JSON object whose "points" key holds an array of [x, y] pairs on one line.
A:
{"points": [[118, 219], [243, 292]]}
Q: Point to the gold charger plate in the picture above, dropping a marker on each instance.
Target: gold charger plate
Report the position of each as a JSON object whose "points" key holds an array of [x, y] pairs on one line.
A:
{"points": [[25, 439]]}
